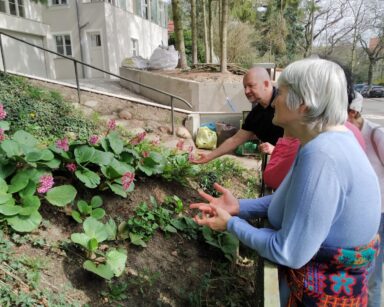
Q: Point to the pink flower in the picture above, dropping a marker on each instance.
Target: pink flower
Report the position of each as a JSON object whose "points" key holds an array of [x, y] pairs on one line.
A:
{"points": [[3, 114], [94, 139], [145, 154], [46, 183], [71, 167], [127, 180], [180, 144], [2, 135], [62, 144], [138, 138], [190, 149], [155, 142], [111, 124]]}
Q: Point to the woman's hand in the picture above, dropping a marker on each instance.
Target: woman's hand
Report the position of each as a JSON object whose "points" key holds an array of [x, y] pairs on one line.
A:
{"points": [[203, 158], [213, 217], [266, 148], [226, 201]]}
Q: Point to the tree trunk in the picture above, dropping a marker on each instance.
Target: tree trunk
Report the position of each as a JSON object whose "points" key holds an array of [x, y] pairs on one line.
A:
{"points": [[210, 26], [206, 45], [179, 34], [194, 31], [370, 71], [224, 23]]}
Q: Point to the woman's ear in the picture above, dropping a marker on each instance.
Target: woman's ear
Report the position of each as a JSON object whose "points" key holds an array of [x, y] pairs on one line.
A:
{"points": [[303, 108]]}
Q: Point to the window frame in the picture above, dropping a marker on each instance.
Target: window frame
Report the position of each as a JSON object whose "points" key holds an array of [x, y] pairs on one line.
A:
{"points": [[64, 45], [135, 47]]}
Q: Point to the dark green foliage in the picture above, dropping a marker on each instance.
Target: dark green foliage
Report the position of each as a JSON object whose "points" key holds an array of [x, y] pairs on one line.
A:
{"points": [[42, 113], [188, 46]]}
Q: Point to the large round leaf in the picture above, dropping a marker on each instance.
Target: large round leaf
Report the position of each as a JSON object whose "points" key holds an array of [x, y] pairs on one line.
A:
{"points": [[10, 210], [101, 158], [25, 138], [5, 198], [25, 223], [41, 155], [19, 182], [116, 261], [4, 125], [95, 229], [96, 201], [6, 170], [116, 143], [102, 270], [11, 148], [80, 238], [61, 196], [84, 153], [90, 179], [4, 185]]}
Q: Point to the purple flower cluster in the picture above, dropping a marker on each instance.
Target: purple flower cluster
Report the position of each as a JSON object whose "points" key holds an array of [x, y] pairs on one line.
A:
{"points": [[138, 138], [71, 167], [2, 135], [127, 180], [62, 144], [3, 114], [45, 184], [111, 124], [180, 144], [94, 139]]}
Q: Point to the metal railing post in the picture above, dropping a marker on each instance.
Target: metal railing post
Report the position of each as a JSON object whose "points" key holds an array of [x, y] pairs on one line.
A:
{"points": [[77, 81], [172, 117], [2, 54]]}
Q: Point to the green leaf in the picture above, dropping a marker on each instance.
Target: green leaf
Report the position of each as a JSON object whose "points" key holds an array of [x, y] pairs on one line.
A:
{"points": [[19, 182], [61, 196], [41, 155], [90, 179], [30, 205], [96, 201], [102, 270], [3, 185], [6, 170], [53, 164], [229, 245], [149, 171], [83, 207], [101, 158], [93, 244], [111, 229], [25, 139], [81, 239], [29, 190], [116, 142], [117, 189], [10, 210], [98, 213], [95, 229], [11, 148], [6, 199], [84, 153], [121, 168], [170, 228], [137, 239], [116, 261], [25, 223], [4, 125], [76, 216]]}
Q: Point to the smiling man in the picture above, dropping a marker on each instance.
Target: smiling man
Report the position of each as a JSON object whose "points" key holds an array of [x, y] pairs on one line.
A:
{"points": [[260, 93]]}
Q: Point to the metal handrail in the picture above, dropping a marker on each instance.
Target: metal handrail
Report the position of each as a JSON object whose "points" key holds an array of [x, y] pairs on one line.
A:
{"points": [[75, 62]]}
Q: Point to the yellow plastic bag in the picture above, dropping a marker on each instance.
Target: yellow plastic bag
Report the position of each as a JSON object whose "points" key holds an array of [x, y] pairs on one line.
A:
{"points": [[206, 138]]}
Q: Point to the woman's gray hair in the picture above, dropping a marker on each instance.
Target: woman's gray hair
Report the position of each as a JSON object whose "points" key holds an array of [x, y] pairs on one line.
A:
{"points": [[321, 86]]}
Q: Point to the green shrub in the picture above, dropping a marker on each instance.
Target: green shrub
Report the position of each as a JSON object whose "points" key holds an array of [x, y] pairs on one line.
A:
{"points": [[43, 113]]}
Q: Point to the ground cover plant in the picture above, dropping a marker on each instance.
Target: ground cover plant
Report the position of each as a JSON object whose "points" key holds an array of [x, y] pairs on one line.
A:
{"points": [[113, 212]]}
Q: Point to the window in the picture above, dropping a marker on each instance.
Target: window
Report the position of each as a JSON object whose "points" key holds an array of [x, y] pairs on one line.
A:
{"points": [[59, 2], [145, 9], [63, 44], [95, 40], [16, 7], [154, 11], [135, 47], [2, 6]]}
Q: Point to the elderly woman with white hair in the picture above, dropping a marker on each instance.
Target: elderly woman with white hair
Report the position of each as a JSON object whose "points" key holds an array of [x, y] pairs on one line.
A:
{"points": [[326, 212]]}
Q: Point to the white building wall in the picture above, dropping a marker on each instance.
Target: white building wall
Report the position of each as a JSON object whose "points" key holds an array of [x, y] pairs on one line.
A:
{"points": [[20, 57]]}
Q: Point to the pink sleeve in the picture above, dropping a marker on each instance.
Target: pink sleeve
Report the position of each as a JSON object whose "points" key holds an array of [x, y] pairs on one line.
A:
{"points": [[357, 134], [281, 161]]}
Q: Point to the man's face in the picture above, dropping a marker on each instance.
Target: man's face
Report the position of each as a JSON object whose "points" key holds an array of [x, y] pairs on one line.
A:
{"points": [[254, 90]]}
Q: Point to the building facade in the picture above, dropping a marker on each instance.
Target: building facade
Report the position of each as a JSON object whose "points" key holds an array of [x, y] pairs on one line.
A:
{"points": [[100, 33]]}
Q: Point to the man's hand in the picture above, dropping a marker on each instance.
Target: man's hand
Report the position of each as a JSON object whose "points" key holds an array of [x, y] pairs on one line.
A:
{"points": [[266, 148], [202, 158], [226, 201]]}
